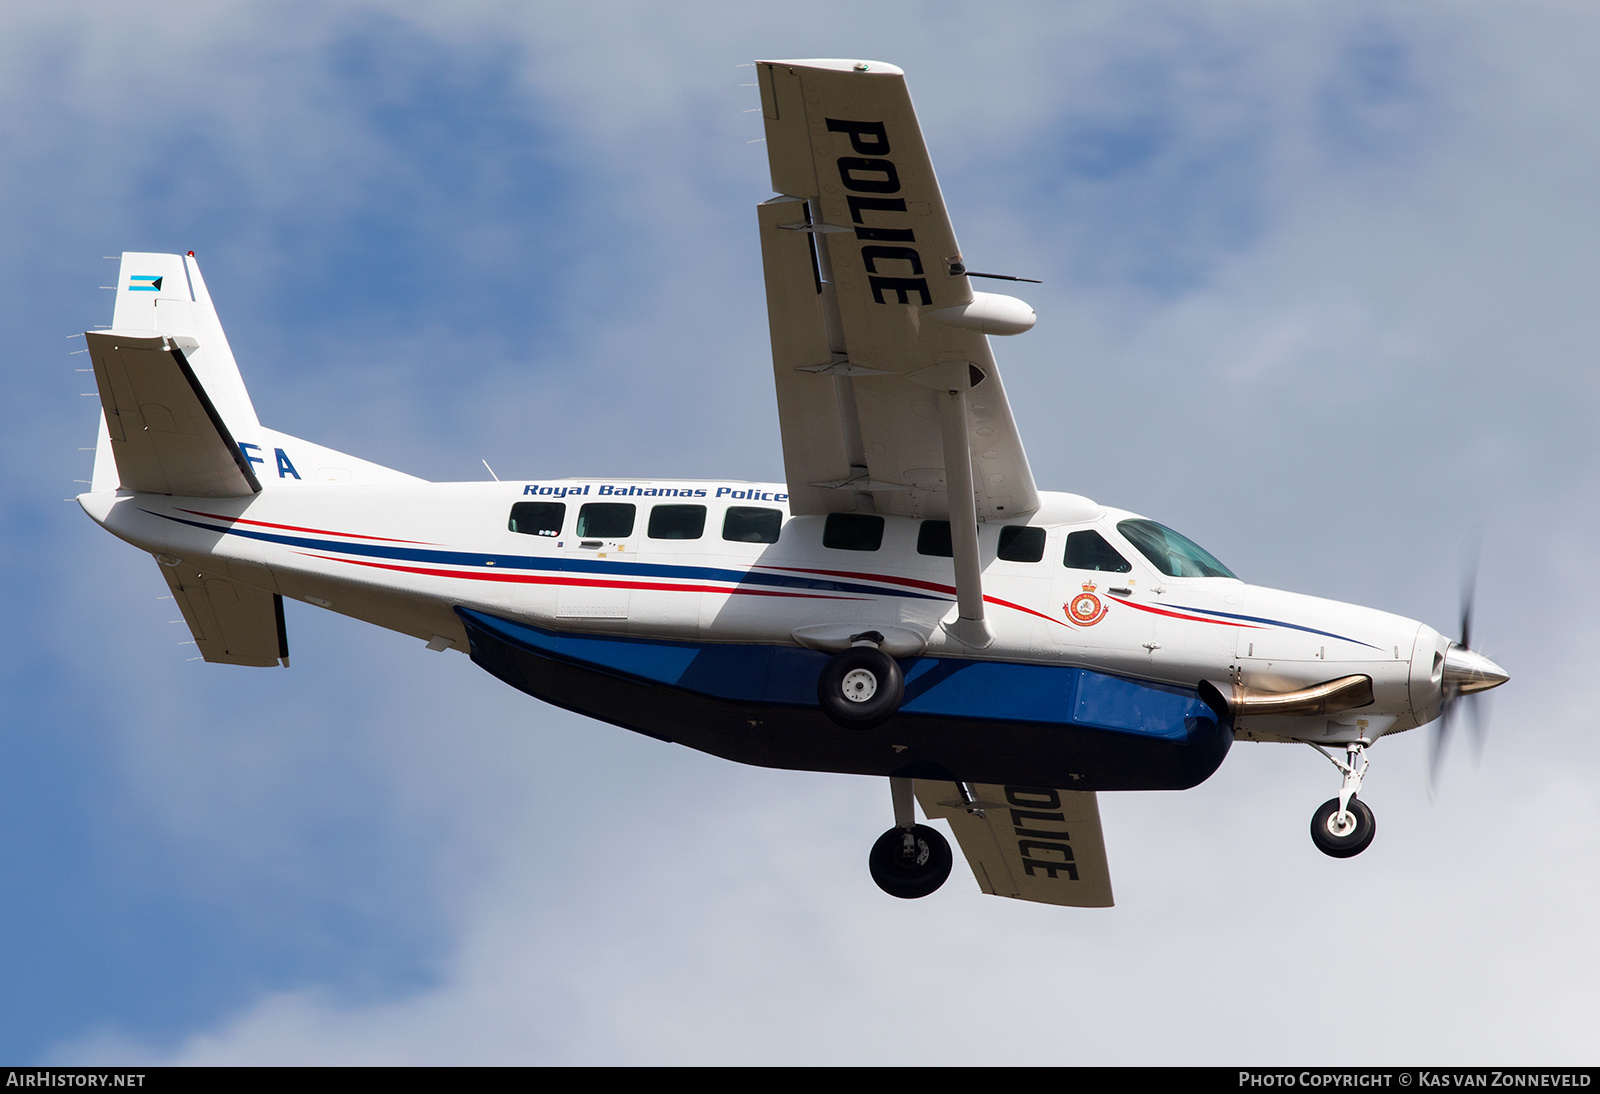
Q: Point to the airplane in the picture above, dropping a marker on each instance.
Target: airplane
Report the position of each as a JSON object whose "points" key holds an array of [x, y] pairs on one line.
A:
{"points": [[907, 605]]}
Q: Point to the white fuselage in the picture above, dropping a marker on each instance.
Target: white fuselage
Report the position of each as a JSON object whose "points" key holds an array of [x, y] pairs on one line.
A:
{"points": [[406, 555]]}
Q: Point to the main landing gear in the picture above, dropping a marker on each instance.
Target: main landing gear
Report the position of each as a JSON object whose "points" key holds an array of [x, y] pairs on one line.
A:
{"points": [[862, 686], [909, 860], [1344, 826]]}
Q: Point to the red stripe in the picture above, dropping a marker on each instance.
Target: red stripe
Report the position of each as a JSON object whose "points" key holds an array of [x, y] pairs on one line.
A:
{"points": [[1020, 608], [538, 579], [297, 528], [914, 583], [908, 582]]}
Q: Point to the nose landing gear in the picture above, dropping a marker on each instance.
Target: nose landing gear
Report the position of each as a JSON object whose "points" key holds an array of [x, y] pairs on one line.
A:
{"points": [[1344, 826]]}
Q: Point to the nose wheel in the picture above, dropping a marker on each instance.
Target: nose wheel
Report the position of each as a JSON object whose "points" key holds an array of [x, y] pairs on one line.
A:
{"points": [[1342, 833], [1344, 826]]}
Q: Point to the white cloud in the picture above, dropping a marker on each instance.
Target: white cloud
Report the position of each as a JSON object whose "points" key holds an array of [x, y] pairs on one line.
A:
{"points": [[1395, 345]]}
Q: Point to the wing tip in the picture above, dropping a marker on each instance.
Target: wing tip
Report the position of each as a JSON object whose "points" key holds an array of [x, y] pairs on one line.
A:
{"points": [[842, 64]]}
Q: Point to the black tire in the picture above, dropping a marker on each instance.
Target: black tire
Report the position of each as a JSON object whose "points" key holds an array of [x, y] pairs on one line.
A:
{"points": [[910, 871], [1330, 841], [861, 687]]}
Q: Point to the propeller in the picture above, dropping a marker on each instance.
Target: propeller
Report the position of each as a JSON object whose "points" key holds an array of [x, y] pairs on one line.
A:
{"points": [[1466, 674]]}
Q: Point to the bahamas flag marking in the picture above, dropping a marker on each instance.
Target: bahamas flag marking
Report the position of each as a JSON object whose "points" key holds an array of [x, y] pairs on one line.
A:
{"points": [[143, 283]]}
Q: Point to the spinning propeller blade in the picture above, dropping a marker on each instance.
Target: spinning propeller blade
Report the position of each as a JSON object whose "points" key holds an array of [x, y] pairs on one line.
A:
{"points": [[1466, 673]]}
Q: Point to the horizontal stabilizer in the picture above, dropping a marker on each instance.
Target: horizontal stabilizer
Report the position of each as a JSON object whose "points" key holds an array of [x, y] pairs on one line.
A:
{"points": [[1027, 842], [232, 623], [166, 434]]}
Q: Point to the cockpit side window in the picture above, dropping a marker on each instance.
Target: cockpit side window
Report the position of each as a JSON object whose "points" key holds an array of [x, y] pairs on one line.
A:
{"points": [[677, 522], [537, 518], [1169, 552], [1090, 551]]}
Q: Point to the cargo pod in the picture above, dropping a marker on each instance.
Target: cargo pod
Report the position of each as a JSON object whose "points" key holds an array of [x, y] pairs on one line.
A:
{"points": [[963, 719]]}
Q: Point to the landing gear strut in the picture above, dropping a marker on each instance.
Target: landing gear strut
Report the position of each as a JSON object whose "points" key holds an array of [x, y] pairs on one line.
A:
{"points": [[1344, 826], [910, 860]]}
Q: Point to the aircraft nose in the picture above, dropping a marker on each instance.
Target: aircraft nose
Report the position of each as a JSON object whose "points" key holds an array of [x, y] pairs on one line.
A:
{"points": [[1467, 671]]}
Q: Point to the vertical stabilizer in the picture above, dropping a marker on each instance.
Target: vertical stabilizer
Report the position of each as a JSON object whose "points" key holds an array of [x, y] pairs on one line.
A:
{"points": [[177, 418], [165, 294]]}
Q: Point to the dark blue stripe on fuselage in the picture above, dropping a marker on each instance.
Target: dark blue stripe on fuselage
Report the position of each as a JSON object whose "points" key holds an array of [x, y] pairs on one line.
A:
{"points": [[479, 560], [1276, 623]]}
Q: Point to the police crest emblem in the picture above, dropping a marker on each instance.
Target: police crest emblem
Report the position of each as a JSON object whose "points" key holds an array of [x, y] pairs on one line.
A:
{"points": [[1085, 609]]}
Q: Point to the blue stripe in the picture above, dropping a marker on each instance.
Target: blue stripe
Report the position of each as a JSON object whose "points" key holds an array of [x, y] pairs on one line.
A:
{"points": [[488, 562], [1277, 623]]}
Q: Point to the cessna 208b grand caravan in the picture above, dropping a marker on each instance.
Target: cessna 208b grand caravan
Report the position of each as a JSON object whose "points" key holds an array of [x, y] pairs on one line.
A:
{"points": [[908, 604]]}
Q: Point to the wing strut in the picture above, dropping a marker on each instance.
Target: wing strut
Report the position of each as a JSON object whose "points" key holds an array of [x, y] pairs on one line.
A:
{"points": [[969, 628]]}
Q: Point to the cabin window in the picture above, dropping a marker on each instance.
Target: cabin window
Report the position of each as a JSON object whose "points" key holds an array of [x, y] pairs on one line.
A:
{"points": [[933, 538], [1020, 543], [748, 524], [538, 518], [1169, 552], [677, 522], [853, 532], [1090, 551], [605, 520]]}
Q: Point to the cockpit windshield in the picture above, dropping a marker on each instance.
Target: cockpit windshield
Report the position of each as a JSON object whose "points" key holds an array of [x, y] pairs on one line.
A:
{"points": [[1172, 554]]}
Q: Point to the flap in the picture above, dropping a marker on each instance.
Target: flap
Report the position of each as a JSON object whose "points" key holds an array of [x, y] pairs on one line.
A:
{"points": [[166, 435], [1027, 842], [232, 623], [868, 301]]}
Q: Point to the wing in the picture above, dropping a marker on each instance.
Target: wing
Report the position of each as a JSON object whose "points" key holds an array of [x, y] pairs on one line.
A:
{"points": [[870, 308], [166, 434], [232, 623], [1027, 842]]}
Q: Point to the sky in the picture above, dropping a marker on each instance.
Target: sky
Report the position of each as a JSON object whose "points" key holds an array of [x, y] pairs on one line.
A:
{"points": [[1318, 291]]}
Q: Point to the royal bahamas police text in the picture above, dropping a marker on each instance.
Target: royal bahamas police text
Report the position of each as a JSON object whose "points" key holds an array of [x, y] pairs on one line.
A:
{"points": [[615, 490]]}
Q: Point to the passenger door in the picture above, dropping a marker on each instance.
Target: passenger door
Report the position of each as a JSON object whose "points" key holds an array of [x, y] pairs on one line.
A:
{"points": [[603, 538]]}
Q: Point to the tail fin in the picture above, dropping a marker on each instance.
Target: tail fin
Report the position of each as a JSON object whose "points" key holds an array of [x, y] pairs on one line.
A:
{"points": [[165, 294], [177, 418], [172, 397]]}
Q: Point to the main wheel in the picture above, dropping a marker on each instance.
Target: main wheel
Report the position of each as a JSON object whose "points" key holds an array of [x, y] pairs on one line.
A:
{"points": [[861, 687], [1342, 840], [910, 862]]}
